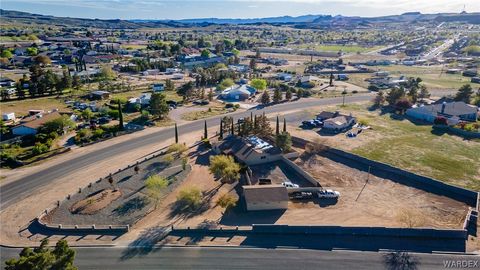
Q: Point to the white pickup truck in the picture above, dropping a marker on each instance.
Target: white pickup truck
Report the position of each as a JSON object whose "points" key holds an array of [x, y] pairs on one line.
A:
{"points": [[328, 193]]}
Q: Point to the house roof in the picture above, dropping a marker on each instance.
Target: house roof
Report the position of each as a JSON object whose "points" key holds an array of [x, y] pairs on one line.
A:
{"points": [[40, 119], [456, 108], [339, 120], [265, 193], [326, 115], [242, 149]]}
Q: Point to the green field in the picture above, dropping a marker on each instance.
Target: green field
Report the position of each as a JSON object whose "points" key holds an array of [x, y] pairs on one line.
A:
{"points": [[419, 149], [336, 48], [433, 76]]}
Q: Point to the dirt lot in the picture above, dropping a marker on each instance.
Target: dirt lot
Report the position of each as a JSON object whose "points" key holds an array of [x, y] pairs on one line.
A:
{"points": [[381, 203]]}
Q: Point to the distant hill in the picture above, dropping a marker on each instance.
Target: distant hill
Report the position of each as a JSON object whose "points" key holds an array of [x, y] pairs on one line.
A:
{"points": [[306, 21]]}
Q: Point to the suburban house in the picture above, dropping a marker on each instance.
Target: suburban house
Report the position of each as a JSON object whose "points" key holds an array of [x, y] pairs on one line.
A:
{"points": [[309, 81], [338, 123], [31, 124], [251, 150], [238, 92], [453, 111], [265, 197], [158, 87], [99, 95], [284, 77], [143, 100]]}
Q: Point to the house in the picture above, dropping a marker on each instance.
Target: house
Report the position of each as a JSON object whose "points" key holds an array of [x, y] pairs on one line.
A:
{"points": [[151, 72], [265, 197], [99, 95], [251, 150], [144, 99], [326, 115], [30, 125], [238, 68], [475, 80], [238, 92], [6, 82], [8, 116], [454, 111], [158, 87], [470, 73], [286, 77], [339, 123], [309, 81]]}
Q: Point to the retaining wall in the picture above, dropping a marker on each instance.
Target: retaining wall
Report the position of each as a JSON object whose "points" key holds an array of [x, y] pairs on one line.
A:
{"points": [[360, 231], [301, 172]]}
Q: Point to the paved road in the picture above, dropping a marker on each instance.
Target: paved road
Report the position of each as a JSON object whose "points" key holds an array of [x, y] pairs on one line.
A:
{"points": [[17, 190], [249, 258]]}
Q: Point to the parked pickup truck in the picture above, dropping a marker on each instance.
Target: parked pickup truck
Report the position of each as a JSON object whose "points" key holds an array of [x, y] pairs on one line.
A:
{"points": [[328, 193], [301, 195]]}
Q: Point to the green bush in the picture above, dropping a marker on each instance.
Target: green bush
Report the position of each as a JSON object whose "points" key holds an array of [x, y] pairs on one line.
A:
{"points": [[190, 198], [39, 148]]}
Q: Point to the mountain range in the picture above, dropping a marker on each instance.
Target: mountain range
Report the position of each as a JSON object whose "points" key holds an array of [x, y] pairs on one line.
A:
{"points": [[305, 21]]}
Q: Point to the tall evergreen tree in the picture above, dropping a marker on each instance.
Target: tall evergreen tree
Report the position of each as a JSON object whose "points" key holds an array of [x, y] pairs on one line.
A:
{"points": [[205, 130], [221, 129], [284, 125], [277, 127], [176, 133], [120, 116]]}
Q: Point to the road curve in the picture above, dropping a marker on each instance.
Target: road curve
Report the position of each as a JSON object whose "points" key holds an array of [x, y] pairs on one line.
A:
{"points": [[19, 189], [246, 258]]}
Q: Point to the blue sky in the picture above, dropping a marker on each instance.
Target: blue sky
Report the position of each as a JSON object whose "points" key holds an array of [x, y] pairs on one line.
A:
{"points": [[181, 9]]}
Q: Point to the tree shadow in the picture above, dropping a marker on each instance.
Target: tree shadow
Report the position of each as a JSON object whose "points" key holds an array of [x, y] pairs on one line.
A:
{"points": [[124, 179], [145, 243], [400, 261], [130, 206]]}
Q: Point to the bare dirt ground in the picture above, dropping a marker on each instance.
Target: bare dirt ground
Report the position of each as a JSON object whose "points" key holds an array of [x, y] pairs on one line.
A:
{"points": [[95, 203], [381, 203]]}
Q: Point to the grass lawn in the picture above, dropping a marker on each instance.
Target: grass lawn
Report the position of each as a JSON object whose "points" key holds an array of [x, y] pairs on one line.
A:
{"points": [[432, 76], [21, 107], [336, 48], [416, 148], [171, 95], [212, 111]]}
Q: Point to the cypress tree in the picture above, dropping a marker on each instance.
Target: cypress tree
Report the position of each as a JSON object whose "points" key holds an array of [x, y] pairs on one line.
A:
{"points": [[284, 125], [238, 128], [205, 132], [232, 131], [120, 115], [277, 127], [176, 133], [221, 129]]}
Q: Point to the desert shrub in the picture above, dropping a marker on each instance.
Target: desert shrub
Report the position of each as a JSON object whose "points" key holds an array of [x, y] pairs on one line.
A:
{"points": [[177, 148], [39, 148], [363, 122], [227, 201], [168, 158], [189, 198], [225, 168]]}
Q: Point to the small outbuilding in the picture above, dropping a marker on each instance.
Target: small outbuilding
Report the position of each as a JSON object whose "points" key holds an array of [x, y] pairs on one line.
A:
{"points": [[265, 197]]}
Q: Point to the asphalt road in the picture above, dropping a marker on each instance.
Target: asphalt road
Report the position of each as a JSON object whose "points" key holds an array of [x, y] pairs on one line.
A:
{"points": [[19, 189], [250, 258]]}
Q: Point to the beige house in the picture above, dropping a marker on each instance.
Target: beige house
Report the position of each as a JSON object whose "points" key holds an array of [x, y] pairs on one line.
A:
{"points": [[265, 197]]}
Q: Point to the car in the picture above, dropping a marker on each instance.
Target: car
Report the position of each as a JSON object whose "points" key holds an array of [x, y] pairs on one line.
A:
{"points": [[328, 193], [308, 124], [301, 195], [290, 185]]}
